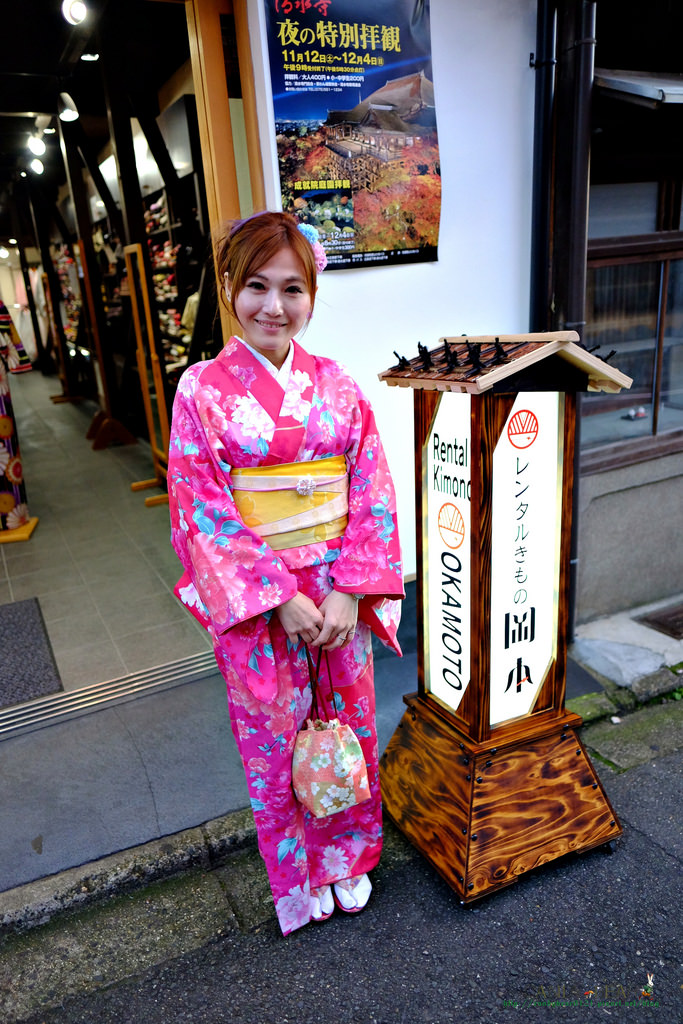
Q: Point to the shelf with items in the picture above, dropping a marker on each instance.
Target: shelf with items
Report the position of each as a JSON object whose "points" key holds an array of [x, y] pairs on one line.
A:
{"points": [[172, 245], [156, 215], [175, 250]]}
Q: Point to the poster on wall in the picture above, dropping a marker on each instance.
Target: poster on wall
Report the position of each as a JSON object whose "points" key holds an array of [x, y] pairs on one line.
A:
{"points": [[355, 126]]}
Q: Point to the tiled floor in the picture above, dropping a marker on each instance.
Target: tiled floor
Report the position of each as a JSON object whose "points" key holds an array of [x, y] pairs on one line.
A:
{"points": [[100, 560]]}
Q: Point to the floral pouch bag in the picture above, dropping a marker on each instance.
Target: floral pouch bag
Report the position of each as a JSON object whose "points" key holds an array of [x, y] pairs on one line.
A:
{"points": [[329, 773]]}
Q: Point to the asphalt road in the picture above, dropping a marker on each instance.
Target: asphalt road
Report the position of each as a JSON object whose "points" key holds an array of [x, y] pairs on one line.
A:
{"points": [[593, 923]]}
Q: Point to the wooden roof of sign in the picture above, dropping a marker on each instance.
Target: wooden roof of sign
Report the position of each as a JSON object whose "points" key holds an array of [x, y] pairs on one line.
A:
{"points": [[477, 364]]}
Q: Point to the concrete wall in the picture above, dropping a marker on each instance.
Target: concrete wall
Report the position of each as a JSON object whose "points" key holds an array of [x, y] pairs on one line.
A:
{"points": [[484, 92], [630, 547]]}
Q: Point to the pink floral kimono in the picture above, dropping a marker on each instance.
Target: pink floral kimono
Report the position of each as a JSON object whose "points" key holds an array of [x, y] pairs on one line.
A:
{"points": [[230, 413]]}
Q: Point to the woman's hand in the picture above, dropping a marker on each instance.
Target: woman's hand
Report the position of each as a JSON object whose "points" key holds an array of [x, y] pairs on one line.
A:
{"points": [[341, 613], [300, 618]]}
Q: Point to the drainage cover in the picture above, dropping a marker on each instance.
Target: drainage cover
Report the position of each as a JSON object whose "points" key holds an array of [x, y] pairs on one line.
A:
{"points": [[667, 620]]}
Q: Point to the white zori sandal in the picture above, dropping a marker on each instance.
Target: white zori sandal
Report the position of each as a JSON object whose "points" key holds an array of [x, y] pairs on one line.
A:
{"points": [[322, 903], [352, 894]]}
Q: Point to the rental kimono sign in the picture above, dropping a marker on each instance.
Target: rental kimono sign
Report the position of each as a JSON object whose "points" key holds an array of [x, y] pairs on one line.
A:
{"points": [[486, 773], [526, 551], [447, 538], [355, 126]]}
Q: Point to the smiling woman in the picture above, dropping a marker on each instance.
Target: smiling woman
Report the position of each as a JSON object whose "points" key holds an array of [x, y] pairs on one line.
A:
{"points": [[283, 515], [269, 267], [273, 306]]}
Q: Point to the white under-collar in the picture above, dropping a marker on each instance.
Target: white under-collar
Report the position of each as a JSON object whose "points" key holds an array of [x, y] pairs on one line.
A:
{"points": [[281, 375]]}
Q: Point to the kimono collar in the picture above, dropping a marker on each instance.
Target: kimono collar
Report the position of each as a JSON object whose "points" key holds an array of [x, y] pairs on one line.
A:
{"points": [[281, 375], [249, 376]]}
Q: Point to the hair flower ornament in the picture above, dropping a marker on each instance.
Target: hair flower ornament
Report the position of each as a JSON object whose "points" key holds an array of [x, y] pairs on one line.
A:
{"points": [[311, 234]]}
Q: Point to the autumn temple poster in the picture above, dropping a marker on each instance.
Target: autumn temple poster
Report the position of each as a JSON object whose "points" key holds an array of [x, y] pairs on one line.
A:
{"points": [[355, 126]]}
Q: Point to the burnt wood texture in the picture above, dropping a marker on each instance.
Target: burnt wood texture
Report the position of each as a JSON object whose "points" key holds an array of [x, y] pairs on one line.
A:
{"points": [[483, 815], [484, 805]]}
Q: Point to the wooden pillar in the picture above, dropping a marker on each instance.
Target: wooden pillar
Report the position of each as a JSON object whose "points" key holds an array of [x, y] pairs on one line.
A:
{"points": [[213, 114], [89, 160], [121, 135], [105, 428]]}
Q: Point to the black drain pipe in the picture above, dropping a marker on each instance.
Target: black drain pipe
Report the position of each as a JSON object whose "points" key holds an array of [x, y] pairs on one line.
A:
{"points": [[564, 64], [581, 42], [543, 62]]}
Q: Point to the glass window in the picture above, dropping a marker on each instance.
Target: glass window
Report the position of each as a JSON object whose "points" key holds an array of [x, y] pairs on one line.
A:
{"points": [[636, 309], [671, 400], [621, 314], [622, 209]]}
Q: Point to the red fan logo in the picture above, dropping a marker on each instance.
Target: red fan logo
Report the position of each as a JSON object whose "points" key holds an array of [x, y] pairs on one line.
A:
{"points": [[522, 429], [451, 526]]}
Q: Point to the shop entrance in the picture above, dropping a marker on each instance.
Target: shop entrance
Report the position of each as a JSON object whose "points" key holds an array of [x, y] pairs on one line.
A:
{"points": [[89, 415]]}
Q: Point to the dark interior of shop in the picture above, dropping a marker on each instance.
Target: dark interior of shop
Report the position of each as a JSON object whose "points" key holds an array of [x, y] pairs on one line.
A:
{"points": [[147, 41], [91, 416]]}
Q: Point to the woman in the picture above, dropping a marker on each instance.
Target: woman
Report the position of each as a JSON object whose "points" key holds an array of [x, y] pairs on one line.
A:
{"points": [[283, 515]]}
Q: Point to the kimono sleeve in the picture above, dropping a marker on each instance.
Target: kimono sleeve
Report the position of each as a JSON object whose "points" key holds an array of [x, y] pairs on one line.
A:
{"points": [[235, 574], [370, 559]]}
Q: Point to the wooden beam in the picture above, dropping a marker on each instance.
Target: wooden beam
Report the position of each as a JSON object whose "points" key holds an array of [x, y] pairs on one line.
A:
{"points": [[92, 298], [258, 189], [213, 108], [213, 116], [510, 339]]}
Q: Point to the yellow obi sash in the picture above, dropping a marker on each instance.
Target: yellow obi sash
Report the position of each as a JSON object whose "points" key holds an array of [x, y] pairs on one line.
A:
{"points": [[294, 503]]}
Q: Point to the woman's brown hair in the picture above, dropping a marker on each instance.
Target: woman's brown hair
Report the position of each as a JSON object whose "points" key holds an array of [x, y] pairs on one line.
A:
{"points": [[248, 244]]}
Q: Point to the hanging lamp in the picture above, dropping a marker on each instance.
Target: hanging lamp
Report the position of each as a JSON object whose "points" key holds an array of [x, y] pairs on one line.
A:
{"points": [[74, 11], [66, 108]]}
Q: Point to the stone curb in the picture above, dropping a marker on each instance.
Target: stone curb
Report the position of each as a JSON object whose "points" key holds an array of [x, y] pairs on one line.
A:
{"points": [[206, 846], [209, 845], [610, 699]]}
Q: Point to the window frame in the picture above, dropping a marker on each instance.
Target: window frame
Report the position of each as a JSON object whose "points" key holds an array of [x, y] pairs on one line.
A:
{"points": [[661, 247]]}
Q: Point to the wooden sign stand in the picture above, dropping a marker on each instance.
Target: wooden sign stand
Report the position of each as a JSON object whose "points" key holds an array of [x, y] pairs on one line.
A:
{"points": [[486, 798]]}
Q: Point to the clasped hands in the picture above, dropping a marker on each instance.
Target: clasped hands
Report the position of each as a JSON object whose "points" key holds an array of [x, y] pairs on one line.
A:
{"points": [[330, 626]]}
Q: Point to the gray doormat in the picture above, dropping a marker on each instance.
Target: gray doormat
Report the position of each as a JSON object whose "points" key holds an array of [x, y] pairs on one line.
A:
{"points": [[667, 620], [27, 664]]}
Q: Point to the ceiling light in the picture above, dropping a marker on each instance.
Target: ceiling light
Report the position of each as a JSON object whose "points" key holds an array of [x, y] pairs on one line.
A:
{"points": [[4, 253], [66, 108], [36, 145], [22, 174], [49, 131], [74, 11], [37, 166], [90, 56], [12, 241]]}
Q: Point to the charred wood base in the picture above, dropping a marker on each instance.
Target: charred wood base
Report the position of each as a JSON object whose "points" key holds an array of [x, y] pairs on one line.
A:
{"points": [[485, 814]]}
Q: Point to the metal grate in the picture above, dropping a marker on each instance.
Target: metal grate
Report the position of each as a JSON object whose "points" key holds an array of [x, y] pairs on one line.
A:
{"points": [[667, 620]]}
